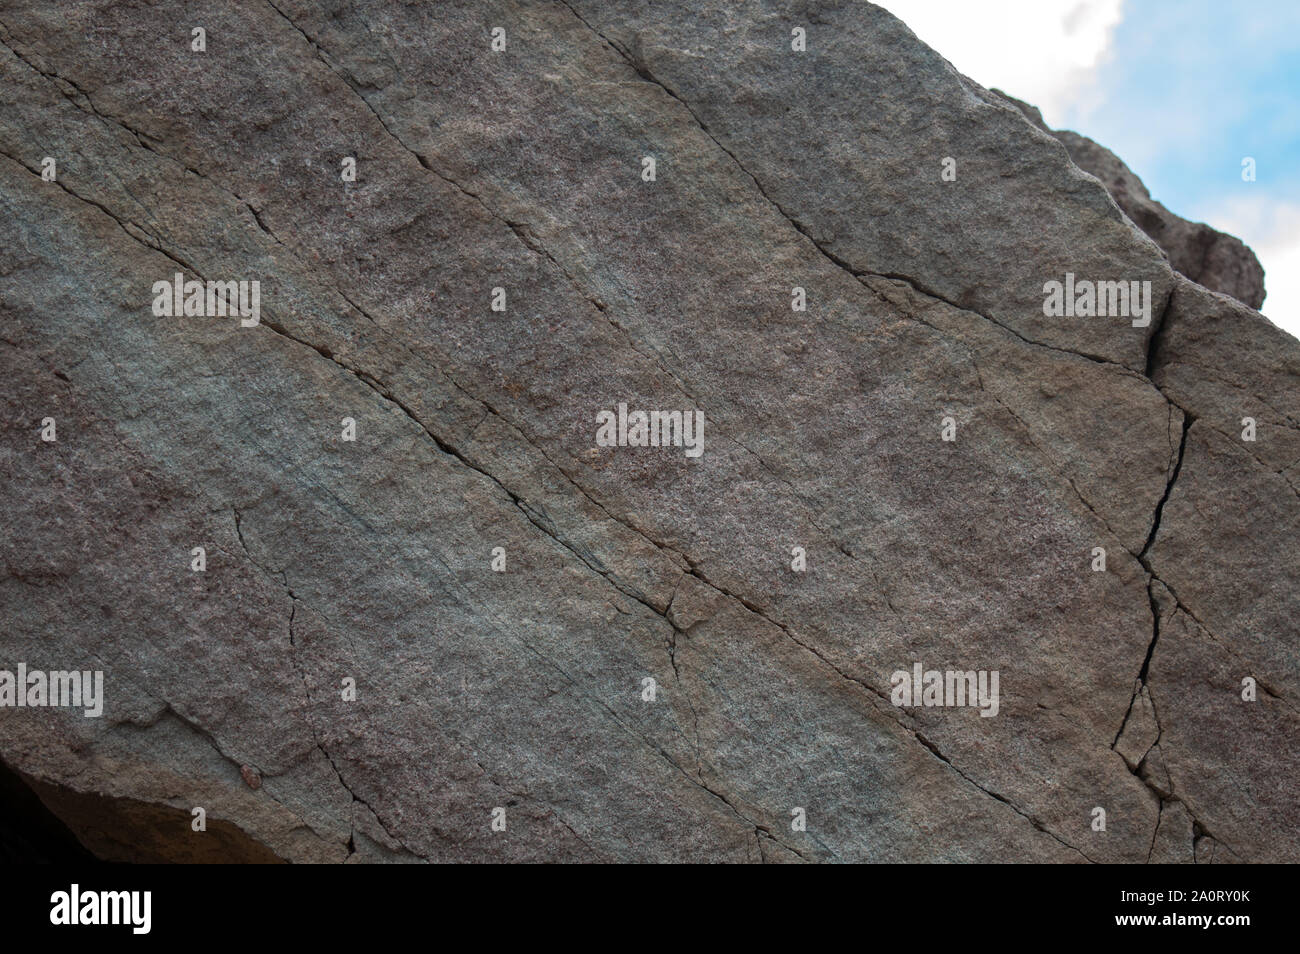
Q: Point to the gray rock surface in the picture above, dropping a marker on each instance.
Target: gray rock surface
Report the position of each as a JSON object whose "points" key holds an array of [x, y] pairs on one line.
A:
{"points": [[372, 560], [1220, 262]]}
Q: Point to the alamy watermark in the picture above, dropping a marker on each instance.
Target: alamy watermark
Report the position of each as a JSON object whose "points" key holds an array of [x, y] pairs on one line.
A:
{"points": [[36, 688], [74, 907], [194, 298], [1087, 299], [651, 429], [950, 687]]}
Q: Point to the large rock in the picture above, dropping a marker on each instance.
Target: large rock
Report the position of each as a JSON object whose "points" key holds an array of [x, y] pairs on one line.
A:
{"points": [[525, 690]]}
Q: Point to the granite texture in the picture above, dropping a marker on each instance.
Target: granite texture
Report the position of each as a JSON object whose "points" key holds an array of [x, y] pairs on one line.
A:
{"points": [[522, 690]]}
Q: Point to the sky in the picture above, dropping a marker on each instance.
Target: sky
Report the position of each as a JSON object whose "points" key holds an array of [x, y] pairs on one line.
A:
{"points": [[1181, 90]]}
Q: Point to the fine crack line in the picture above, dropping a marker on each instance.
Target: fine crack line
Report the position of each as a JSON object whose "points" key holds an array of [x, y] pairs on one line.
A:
{"points": [[302, 675], [1143, 674], [141, 137], [1144, 558], [1188, 420]]}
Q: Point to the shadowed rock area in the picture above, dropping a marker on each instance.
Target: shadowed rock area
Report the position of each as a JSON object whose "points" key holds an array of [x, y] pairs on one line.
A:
{"points": [[524, 690]]}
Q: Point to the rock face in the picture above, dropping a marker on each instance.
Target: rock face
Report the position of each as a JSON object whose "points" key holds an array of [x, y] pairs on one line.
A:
{"points": [[436, 640], [1220, 262]]}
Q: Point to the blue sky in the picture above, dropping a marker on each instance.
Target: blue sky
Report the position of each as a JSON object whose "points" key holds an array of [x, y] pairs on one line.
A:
{"points": [[1181, 90]]}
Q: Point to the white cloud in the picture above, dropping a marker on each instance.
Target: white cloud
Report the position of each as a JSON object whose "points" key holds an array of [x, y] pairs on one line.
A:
{"points": [[1268, 227], [1281, 261], [1045, 52]]}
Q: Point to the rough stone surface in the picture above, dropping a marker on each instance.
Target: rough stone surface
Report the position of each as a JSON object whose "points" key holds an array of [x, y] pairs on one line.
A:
{"points": [[523, 690], [1220, 262]]}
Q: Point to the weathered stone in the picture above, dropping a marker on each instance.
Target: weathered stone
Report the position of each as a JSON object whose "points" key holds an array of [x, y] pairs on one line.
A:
{"points": [[1211, 258], [522, 695]]}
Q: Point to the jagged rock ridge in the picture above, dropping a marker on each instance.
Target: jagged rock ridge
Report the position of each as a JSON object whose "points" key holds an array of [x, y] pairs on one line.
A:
{"points": [[1220, 262]]}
